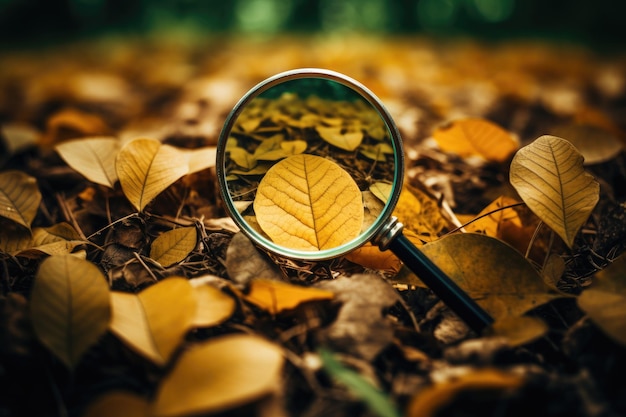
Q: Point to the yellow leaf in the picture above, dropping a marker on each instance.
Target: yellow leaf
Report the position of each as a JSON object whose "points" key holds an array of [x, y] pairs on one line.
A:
{"points": [[372, 257], [419, 213], [200, 159], [337, 136], [220, 374], [59, 239], [430, 400], [145, 168], [213, 306], [549, 176], [277, 296], [498, 277], [293, 147], [605, 300], [242, 158], [381, 190], [308, 202], [271, 149], [70, 306], [19, 197], [145, 322], [116, 402], [476, 137], [491, 224], [174, 245], [94, 158]]}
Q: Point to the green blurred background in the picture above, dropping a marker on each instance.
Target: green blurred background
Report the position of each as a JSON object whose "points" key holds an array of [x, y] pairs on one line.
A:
{"points": [[601, 23]]}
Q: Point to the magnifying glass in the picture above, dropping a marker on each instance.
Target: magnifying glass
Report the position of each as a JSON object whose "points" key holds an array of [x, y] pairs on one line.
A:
{"points": [[310, 166]]}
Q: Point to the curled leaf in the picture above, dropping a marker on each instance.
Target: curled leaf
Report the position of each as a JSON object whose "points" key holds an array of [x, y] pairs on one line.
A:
{"points": [[146, 168], [94, 158], [549, 176], [308, 202], [19, 197], [220, 374], [70, 306], [141, 321]]}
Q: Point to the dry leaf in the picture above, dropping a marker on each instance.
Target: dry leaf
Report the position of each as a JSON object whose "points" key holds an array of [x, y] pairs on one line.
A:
{"points": [[308, 202], [200, 159], [370, 256], [549, 176], [59, 239], [19, 197], [146, 168], [605, 300], [430, 400], [94, 158], [476, 137], [155, 321], [70, 306], [491, 224], [214, 306], [71, 124], [223, 373], [419, 213], [595, 144], [115, 402], [501, 280], [340, 137], [276, 296], [174, 245], [245, 262]]}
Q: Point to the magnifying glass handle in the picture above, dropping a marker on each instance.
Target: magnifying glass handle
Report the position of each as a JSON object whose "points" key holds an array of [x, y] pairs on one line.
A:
{"points": [[446, 289]]}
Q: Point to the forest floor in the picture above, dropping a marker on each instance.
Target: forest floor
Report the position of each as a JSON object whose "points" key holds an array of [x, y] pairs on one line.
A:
{"points": [[394, 350]]}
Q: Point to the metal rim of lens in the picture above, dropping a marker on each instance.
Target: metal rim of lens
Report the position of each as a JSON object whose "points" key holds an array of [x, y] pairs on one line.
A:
{"points": [[369, 97]]}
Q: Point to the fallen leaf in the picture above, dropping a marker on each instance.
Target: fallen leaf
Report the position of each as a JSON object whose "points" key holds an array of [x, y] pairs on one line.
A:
{"points": [[143, 323], [19, 197], [59, 239], [146, 168], [310, 203], [242, 157], [549, 176], [431, 399], [294, 147], [419, 213], [94, 158], [174, 245], [605, 300], [213, 306], [111, 403], [18, 136], [340, 137], [476, 137], [220, 374], [70, 306], [518, 331], [276, 296], [71, 123], [370, 256], [595, 144], [245, 262], [271, 149], [498, 277], [491, 219], [199, 159]]}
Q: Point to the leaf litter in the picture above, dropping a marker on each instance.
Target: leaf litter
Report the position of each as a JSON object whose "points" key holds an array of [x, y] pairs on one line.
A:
{"points": [[348, 336]]}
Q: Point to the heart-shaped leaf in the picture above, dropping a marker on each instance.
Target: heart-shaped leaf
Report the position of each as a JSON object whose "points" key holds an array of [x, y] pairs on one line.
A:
{"points": [[476, 137], [174, 245], [94, 158], [70, 306], [222, 373], [19, 197], [308, 202], [146, 168], [337, 136], [605, 300], [146, 325], [549, 176], [498, 277]]}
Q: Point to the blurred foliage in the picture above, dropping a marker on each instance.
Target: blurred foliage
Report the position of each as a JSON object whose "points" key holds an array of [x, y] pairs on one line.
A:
{"points": [[599, 22]]}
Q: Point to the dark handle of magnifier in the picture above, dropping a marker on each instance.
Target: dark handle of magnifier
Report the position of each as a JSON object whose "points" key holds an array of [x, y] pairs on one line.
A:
{"points": [[447, 290]]}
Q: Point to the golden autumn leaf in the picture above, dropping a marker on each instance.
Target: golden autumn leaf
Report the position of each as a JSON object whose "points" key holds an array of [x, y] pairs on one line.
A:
{"points": [[220, 374], [70, 306], [146, 168], [294, 147], [243, 158], [549, 176], [310, 203], [381, 190], [338, 136], [419, 213], [491, 218], [144, 324], [93, 158], [431, 399], [58, 239], [605, 300], [19, 197], [476, 137], [114, 402], [277, 296], [370, 256], [174, 245], [498, 277], [213, 306], [200, 158]]}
